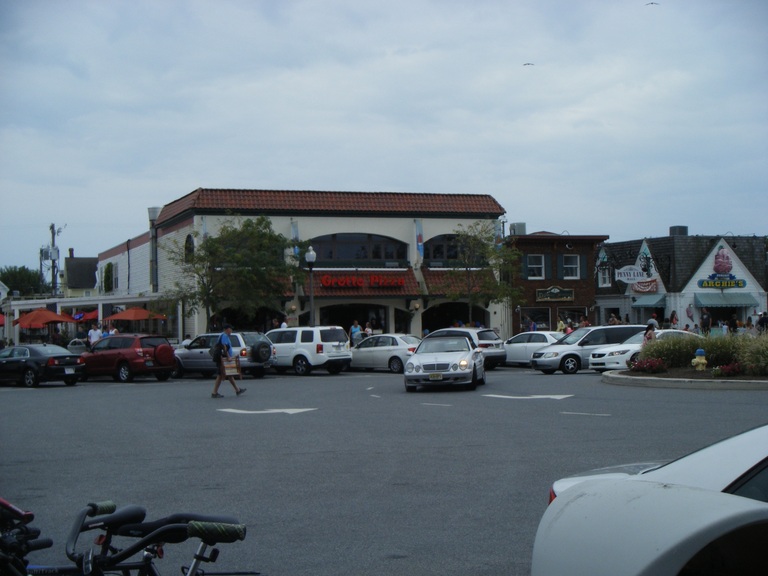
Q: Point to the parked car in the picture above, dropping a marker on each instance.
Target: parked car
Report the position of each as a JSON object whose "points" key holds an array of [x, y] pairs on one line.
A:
{"points": [[704, 513], [306, 348], [445, 360], [617, 356], [519, 348], [30, 364], [77, 346], [572, 352], [254, 349], [384, 352], [124, 356], [486, 339]]}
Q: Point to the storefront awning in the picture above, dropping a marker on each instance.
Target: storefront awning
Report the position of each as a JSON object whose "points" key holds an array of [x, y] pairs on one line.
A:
{"points": [[725, 300], [649, 301]]}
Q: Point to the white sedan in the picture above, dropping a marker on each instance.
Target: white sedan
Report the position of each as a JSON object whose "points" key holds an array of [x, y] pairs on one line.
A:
{"points": [[520, 347], [706, 510], [616, 356], [384, 352]]}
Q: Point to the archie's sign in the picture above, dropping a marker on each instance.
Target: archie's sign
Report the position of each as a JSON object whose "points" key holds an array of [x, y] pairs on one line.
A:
{"points": [[362, 281]]}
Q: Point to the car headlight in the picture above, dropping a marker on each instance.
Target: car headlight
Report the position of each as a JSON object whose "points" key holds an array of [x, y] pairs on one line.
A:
{"points": [[551, 355], [409, 367], [463, 364], [617, 353]]}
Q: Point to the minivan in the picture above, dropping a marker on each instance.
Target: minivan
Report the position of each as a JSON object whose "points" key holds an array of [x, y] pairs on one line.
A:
{"points": [[572, 352]]}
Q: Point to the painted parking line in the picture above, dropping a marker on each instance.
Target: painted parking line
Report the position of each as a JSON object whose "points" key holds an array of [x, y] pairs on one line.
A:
{"points": [[584, 414], [533, 397], [290, 411]]}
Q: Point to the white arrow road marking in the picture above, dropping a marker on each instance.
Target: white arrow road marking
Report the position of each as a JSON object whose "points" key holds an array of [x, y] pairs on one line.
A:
{"points": [[535, 397], [278, 411], [584, 414]]}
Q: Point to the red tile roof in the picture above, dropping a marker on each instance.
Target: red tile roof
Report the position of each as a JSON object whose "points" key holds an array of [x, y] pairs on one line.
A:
{"points": [[442, 282], [317, 203]]}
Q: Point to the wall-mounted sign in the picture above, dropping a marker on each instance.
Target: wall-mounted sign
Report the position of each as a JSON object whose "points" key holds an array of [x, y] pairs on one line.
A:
{"points": [[630, 274], [722, 277], [361, 281], [646, 287], [555, 294]]}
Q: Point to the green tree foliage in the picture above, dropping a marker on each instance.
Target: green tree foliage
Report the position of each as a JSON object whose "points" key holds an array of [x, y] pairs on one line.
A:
{"points": [[23, 279], [484, 267], [246, 266]]}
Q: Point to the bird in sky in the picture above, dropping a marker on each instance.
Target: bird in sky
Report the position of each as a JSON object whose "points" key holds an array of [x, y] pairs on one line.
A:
{"points": [[652, 4], [528, 64]]}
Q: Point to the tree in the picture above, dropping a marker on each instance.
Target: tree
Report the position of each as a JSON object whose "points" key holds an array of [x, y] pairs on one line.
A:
{"points": [[484, 267], [23, 279], [246, 266]]}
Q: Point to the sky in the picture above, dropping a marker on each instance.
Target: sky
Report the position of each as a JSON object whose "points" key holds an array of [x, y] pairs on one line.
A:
{"points": [[612, 117]]}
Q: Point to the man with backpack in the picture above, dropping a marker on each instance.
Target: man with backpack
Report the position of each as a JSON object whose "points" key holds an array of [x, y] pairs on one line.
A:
{"points": [[223, 350]]}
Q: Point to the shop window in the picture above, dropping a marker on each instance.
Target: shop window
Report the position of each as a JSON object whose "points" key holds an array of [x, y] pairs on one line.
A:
{"points": [[604, 277]]}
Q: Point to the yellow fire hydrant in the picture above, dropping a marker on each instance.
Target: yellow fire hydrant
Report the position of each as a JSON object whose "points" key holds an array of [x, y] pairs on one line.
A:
{"points": [[699, 362]]}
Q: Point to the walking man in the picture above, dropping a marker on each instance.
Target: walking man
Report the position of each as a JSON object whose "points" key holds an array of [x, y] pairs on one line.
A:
{"points": [[225, 345]]}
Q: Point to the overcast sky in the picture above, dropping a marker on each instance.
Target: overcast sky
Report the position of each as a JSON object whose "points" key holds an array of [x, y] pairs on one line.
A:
{"points": [[632, 118]]}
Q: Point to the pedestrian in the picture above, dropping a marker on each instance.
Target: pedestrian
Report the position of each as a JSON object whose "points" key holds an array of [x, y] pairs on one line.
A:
{"points": [[113, 330], [762, 323], [355, 333], [613, 321], [94, 335], [368, 329], [187, 340], [284, 324], [674, 321], [225, 345], [652, 320], [705, 322], [650, 334]]}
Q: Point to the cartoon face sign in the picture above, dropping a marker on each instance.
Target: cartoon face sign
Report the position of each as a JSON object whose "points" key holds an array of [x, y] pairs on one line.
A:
{"points": [[723, 263]]}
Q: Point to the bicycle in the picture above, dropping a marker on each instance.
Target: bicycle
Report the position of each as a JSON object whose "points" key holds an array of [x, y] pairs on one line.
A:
{"points": [[19, 539]]}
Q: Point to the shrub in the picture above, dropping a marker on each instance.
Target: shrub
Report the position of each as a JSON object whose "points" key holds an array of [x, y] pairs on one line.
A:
{"points": [[649, 365], [753, 355], [727, 370], [676, 352]]}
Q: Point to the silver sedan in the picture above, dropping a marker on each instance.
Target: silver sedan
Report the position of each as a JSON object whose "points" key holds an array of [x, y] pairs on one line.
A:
{"points": [[441, 361], [520, 347], [384, 352]]}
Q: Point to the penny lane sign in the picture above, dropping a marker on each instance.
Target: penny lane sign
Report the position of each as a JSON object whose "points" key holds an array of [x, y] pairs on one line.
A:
{"points": [[631, 274]]}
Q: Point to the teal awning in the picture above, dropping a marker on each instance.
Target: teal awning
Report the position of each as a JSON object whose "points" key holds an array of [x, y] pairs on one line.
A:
{"points": [[725, 300], [649, 301]]}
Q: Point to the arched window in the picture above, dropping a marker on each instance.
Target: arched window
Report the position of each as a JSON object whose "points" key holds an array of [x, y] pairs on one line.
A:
{"points": [[189, 248], [355, 249], [441, 251]]}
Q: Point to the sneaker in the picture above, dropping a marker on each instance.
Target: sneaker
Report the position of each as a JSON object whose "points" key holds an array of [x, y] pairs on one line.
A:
{"points": [[241, 391], [217, 395]]}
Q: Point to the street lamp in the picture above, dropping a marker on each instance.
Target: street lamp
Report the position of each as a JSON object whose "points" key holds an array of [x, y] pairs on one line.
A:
{"points": [[310, 257]]}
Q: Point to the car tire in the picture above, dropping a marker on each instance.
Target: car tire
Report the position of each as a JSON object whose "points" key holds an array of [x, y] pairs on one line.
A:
{"points": [[164, 355], [163, 376], [410, 388], [124, 373], [70, 381], [29, 378], [301, 366], [335, 369], [473, 385], [261, 353], [570, 365], [549, 372], [178, 370], [395, 365], [489, 365], [634, 357]]}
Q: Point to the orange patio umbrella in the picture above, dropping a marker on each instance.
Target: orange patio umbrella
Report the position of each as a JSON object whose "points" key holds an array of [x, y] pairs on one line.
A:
{"points": [[135, 314], [40, 317]]}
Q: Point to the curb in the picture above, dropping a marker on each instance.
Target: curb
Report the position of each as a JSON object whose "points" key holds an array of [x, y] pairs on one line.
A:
{"points": [[615, 378]]}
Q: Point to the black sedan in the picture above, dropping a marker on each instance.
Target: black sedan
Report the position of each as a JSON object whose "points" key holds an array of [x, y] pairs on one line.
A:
{"points": [[30, 364]]}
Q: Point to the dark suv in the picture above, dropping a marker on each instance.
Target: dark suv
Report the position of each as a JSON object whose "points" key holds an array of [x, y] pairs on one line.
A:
{"points": [[125, 356]]}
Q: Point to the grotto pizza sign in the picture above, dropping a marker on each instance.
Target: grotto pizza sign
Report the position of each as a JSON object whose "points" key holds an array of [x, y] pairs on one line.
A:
{"points": [[722, 277], [372, 280]]}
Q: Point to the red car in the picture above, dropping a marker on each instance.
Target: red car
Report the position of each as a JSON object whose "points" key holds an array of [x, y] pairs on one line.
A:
{"points": [[124, 356]]}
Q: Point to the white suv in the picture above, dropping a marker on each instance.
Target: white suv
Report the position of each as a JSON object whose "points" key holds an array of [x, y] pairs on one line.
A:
{"points": [[305, 348], [484, 338]]}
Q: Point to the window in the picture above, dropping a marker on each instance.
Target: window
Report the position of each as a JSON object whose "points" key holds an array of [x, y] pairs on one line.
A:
{"points": [[350, 249], [189, 248], [535, 266], [604, 277], [571, 266]]}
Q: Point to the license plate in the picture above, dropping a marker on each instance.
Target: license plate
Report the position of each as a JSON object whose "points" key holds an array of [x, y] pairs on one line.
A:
{"points": [[69, 370], [435, 376], [149, 363]]}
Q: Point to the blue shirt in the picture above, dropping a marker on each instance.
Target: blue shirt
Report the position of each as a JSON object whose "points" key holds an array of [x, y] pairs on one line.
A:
{"points": [[224, 339]]}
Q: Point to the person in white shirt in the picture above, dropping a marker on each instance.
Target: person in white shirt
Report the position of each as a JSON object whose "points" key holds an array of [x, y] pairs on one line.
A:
{"points": [[94, 334]]}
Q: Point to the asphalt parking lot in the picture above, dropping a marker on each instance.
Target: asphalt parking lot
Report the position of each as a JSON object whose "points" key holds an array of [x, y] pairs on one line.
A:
{"points": [[345, 474]]}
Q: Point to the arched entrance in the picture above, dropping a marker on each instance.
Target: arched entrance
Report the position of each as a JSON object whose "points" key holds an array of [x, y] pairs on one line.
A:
{"points": [[450, 313]]}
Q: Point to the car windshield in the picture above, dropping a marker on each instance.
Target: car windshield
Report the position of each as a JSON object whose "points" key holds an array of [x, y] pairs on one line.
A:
{"points": [[333, 335], [487, 335], [574, 336], [153, 341], [252, 338], [635, 338], [408, 339], [432, 345]]}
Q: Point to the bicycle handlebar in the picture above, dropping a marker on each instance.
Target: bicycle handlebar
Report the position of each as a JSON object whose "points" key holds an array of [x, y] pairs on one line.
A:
{"points": [[216, 532]]}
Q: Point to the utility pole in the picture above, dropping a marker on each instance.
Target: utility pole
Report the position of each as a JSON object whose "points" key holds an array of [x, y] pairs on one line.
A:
{"points": [[54, 257]]}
